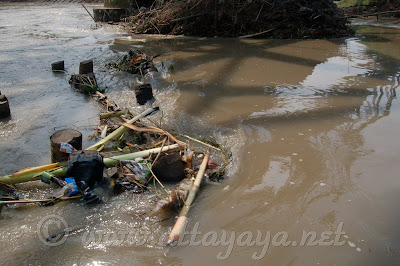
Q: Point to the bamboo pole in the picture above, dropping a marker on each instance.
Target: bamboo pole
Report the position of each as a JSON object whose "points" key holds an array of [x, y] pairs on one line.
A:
{"points": [[180, 223], [119, 131], [109, 162], [30, 170], [113, 114], [196, 140]]}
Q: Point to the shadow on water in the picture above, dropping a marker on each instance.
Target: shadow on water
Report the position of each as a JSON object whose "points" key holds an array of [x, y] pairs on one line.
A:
{"points": [[295, 165]]}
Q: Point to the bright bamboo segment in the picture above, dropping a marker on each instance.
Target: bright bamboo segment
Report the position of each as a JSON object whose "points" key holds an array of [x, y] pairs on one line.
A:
{"points": [[38, 168], [119, 131], [180, 223], [109, 162]]}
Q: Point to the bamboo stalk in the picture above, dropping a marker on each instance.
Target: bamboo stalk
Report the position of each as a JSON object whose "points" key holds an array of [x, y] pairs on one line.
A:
{"points": [[109, 162], [196, 140], [30, 170], [113, 114], [119, 131], [180, 223]]}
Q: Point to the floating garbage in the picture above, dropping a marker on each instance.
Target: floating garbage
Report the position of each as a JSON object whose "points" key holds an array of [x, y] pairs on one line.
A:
{"points": [[86, 167], [134, 62], [73, 188], [86, 83]]}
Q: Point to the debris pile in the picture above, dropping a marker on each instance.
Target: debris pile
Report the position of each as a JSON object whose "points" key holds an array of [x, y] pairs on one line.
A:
{"points": [[147, 163], [130, 156], [85, 83], [257, 18], [137, 62], [134, 62]]}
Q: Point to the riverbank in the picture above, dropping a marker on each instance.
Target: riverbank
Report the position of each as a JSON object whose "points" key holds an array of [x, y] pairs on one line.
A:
{"points": [[207, 18], [351, 8]]}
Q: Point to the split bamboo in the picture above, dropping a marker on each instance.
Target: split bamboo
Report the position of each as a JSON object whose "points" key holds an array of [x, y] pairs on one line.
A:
{"points": [[180, 223]]}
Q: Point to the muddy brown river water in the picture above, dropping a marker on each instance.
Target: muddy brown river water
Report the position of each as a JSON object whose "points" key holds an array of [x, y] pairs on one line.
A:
{"points": [[313, 127]]}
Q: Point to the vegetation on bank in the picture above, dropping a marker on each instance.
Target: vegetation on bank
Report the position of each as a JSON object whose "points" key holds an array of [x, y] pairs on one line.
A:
{"points": [[360, 7], [350, 3], [283, 19]]}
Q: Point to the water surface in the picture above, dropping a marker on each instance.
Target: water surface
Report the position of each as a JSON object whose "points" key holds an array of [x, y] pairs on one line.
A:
{"points": [[312, 126]]}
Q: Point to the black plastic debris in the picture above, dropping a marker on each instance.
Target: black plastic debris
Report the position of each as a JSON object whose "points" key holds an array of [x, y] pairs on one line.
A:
{"points": [[87, 169]]}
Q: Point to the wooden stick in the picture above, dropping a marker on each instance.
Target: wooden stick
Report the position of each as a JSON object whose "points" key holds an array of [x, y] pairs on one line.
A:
{"points": [[162, 145], [180, 223], [37, 200], [255, 34], [155, 177], [88, 12], [191, 16], [196, 140], [154, 130]]}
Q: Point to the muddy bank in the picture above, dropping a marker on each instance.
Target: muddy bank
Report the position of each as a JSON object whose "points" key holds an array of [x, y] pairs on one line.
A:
{"points": [[374, 7], [275, 19]]}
